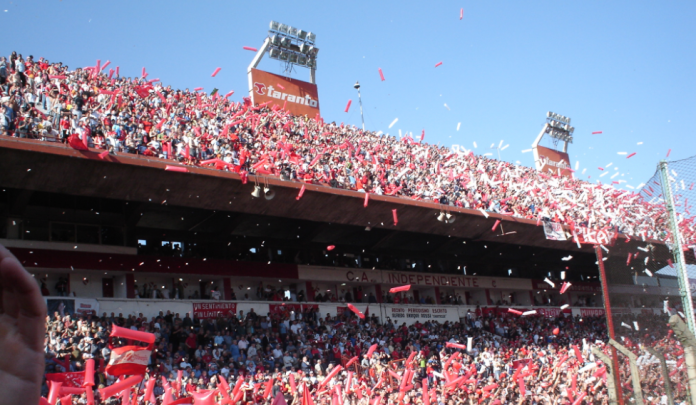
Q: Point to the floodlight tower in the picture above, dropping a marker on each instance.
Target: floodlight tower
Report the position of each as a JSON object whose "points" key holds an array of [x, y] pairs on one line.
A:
{"points": [[291, 45], [557, 127]]}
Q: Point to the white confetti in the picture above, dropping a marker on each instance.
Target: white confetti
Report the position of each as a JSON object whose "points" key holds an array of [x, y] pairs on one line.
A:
{"points": [[635, 325], [447, 107], [393, 122], [563, 274], [549, 282], [565, 259], [648, 272], [640, 143], [527, 313], [615, 174], [610, 163], [674, 173], [475, 146], [488, 154], [526, 150], [577, 164], [603, 174], [500, 144], [564, 306], [459, 124], [505, 147], [485, 214], [622, 153], [584, 170]]}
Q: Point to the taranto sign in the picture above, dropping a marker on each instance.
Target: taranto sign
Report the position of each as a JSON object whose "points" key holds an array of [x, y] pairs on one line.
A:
{"points": [[298, 97], [552, 160], [212, 310]]}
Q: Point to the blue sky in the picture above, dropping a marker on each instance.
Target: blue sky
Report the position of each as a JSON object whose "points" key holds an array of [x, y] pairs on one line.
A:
{"points": [[624, 68]]}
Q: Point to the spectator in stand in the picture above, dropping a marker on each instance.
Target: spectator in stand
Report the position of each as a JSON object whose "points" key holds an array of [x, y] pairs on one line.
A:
{"points": [[133, 115]]}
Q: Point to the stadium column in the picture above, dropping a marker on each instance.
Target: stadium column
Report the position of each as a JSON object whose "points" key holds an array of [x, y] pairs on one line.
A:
{"points": [[227, 288], [437, 296], [378, 293], [610, 321], [489, 301], [309, 290], [130, 285]]}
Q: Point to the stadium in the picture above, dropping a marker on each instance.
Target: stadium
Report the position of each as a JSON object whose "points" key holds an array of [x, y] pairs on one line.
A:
{"points": [[262, 255]]}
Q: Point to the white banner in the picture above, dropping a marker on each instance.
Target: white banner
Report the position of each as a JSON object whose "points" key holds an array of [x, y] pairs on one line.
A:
{"points": [[411, 314], [86, 306]]}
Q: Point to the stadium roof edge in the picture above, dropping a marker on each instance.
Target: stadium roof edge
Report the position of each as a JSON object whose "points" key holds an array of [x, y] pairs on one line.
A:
{"points": [[30, 164]]}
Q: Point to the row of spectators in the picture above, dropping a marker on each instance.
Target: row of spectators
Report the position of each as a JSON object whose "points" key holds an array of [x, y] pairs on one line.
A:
{"points": [[49, 101], [512, 360]]}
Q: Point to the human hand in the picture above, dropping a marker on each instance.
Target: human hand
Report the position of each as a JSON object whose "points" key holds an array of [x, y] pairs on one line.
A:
{"points": [[22, 331]]}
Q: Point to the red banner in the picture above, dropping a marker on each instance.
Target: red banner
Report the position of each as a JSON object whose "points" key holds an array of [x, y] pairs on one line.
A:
{"points": [[298, 97], [212, 310], [591, 312], [604, 237], [74, 380], [552, 160]]}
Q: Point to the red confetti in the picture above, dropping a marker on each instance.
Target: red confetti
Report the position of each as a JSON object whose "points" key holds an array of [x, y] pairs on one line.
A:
{"points": [[198, 89], [601, 168], [367, 198], [671, 264], [631, 155], [348, 105], [556, 331], [330, 247], [396, 218], [280, 85], [596, 132], [104, 154], [461, 13], [497, 222], [400, 289], [381, 75], [248, 48], [299, 195], [229, 94], [668, 152], [216, 72], [438, 64]]}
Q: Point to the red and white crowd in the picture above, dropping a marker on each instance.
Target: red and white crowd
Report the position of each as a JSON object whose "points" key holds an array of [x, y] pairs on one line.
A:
{"points": [[490, 357], [96, 107]]}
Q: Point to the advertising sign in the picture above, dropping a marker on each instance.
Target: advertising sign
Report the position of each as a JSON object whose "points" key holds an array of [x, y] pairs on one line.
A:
{"points": [[552, 160], [298, 97], [212, 310]]}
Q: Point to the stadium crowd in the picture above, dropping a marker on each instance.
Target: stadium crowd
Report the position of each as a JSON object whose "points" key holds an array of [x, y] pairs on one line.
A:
{"points": [[513, 360], [96, 108]]}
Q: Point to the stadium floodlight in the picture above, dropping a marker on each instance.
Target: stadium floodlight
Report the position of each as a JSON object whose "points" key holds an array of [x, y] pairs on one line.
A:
{"points": [[275, 40], [292, 31], [558, 127], [284, 55], [304, 48], [302, 34], [312, 63], [301, 60], [274, 53], [274, 25], [292, 58], [311, 37], [283, 28], [285, 42]]}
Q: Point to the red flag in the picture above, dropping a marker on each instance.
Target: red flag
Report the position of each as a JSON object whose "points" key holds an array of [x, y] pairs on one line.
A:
{"points": [[279, 399], [306, 397]]}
